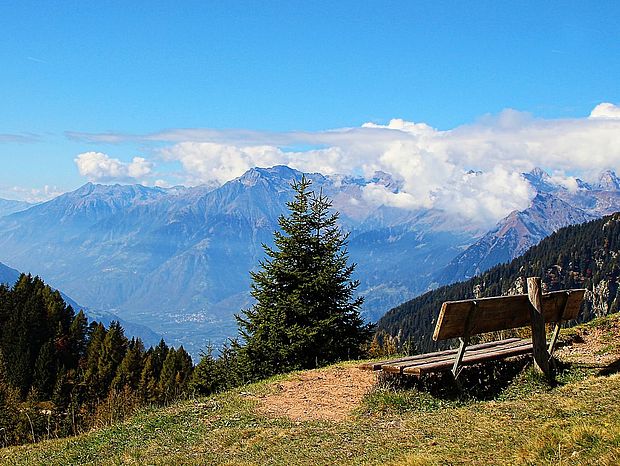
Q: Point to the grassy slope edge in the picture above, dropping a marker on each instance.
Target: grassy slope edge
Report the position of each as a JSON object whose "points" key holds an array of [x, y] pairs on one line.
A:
{"points": [[576, 422]]}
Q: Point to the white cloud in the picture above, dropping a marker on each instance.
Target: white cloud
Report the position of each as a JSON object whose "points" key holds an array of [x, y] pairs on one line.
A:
{"points": [[569, 182], [431, 166], [485, 196], [377, 194], [139, 168], [100, 167], [606, 110], [207, 162]]}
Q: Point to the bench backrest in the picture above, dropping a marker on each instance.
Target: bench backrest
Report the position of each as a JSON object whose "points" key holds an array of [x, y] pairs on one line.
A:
{"points": [[475, 316]]}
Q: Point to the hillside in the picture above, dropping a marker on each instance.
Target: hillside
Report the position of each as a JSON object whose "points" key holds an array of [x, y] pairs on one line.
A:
{"points": [[555, 206], [581, 256], [283, 421], [9, 276]]}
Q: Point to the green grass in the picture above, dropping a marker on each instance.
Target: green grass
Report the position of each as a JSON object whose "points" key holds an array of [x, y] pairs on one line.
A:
{"points": [[576, 421]]}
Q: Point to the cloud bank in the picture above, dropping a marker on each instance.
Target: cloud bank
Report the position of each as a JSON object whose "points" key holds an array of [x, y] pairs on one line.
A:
{"points": [[99, 167], [474, 170]]}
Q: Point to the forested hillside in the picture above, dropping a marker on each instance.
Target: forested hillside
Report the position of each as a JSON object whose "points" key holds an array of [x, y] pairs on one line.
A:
{"points": [[60, 376], [580, 256]]}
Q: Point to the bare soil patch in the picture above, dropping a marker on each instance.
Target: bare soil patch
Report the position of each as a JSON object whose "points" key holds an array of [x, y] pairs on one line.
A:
{"points": [[322, 394], [593, 346]]}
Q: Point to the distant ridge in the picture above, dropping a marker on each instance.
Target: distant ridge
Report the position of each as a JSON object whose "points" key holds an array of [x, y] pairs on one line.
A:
{"points": [[8, 207], [554, 207], [8, 276], [578, 256]]}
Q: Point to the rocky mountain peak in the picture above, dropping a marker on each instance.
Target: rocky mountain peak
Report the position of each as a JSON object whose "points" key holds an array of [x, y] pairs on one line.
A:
{"points": [[541, 181], [278, 173], [608, 181]]}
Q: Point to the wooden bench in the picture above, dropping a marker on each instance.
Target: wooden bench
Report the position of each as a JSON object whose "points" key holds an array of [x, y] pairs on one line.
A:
{"points": [[464, 319]]}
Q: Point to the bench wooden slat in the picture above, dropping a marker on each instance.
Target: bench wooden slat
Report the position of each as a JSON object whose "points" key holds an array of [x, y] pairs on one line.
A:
{"points": [[375, 366], [504, 312], [480, 357], [398, 367]]}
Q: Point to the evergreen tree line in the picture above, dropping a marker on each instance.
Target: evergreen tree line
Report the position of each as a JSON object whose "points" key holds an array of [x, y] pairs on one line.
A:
{"points": [[60, 376], [578, 256]]}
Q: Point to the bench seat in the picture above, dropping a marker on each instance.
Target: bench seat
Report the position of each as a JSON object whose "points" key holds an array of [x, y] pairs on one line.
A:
{"points": [[441, 361]]}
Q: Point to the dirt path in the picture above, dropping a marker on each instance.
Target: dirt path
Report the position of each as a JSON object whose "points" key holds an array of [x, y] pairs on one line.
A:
{"points": [[322, 394]]}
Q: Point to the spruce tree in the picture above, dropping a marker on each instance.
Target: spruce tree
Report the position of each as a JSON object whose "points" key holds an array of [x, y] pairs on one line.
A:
{"points": [[305, 312], [175, 374], [149, 389], [130, 369], [113, 351]]}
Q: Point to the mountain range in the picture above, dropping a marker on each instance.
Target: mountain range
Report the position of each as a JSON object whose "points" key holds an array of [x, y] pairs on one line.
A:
{"points": [[178, 259], [554, 207]]}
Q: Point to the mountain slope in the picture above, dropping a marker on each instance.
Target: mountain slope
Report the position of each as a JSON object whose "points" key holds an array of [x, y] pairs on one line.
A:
{"points": [[8, 276], [8, 207], [513, 236], [586, 255], [554, 207]]}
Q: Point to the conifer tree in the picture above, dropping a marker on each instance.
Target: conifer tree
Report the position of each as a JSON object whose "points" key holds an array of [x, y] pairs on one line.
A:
{"points": [[175, 374], [305, 312], [207, 377], [149, 388], [92, 379], [9, 408], [113, 351], [45, 369], [77, 338], [130, 369]]}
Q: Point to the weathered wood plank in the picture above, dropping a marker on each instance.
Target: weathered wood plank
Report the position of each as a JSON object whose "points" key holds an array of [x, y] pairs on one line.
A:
{"points": [[483, 356], [504, 312], [375, 366], [537, 323], [399, 368]]}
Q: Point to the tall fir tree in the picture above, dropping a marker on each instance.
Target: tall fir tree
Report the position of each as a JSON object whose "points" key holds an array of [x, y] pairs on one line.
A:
{"points": [[130, 369], [175, 374], [305, 312], [113, 351]]}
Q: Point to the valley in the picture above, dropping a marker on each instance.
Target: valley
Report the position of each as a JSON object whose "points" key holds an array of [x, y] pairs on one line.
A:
{"points": [[177, 260]]}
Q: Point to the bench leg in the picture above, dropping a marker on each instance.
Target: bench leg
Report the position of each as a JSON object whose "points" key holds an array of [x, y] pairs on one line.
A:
{"points": [[554, 339], [456, 368]]}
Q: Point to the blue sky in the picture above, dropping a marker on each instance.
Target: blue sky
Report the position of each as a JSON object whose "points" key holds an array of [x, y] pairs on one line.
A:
{"points": [[141, 71]]}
